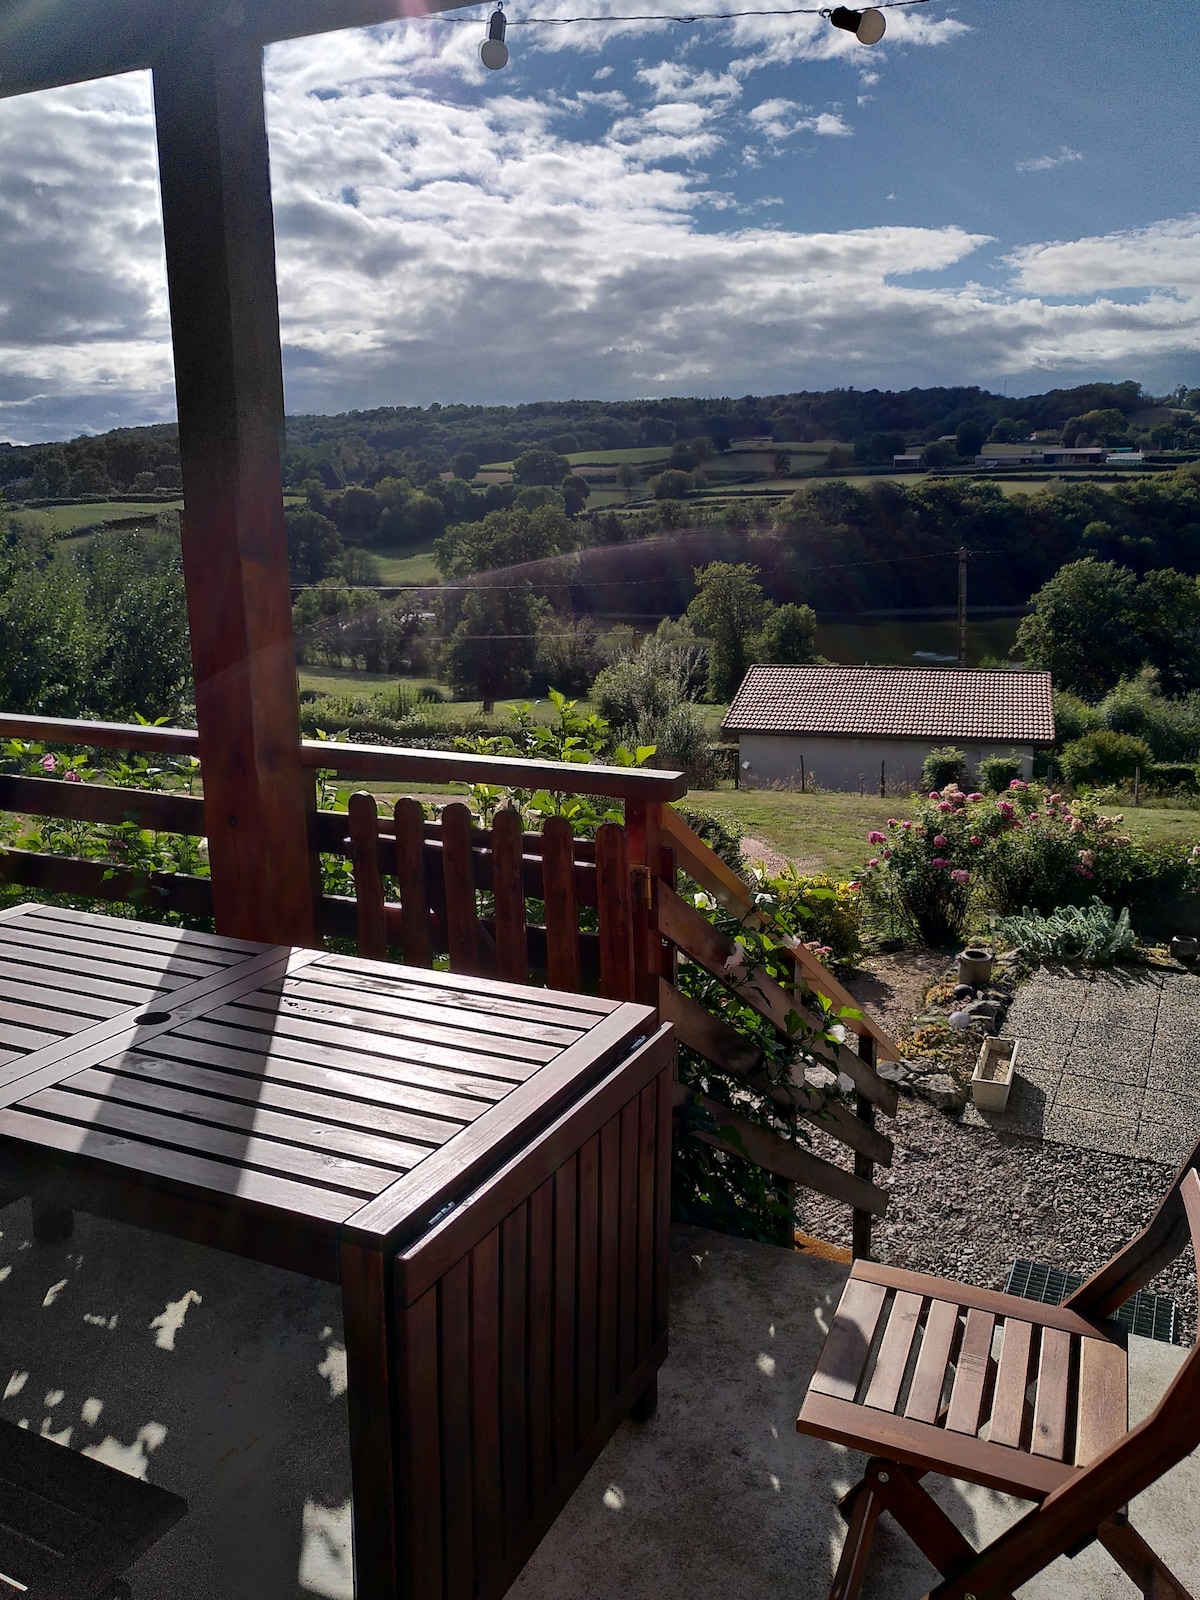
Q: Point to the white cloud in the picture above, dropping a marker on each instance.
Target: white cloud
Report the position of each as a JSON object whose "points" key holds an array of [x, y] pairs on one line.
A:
{"points": [[1165, 255], [1061, 157], [442, 240]]}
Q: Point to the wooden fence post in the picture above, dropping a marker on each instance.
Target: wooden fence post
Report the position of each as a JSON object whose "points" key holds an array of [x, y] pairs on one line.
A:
{"points": [[864, 1167], [646, 843]]}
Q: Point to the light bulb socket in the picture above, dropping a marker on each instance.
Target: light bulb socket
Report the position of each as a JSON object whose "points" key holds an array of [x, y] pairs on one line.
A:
{"points": [[493, 52], [868, 27]]}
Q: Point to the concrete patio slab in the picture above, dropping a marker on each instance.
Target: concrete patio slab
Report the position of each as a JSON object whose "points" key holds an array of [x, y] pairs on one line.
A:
{"points": [[224, 1381]]}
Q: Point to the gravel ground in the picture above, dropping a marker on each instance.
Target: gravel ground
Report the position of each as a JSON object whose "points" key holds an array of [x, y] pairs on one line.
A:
{"points": [[967, 1202]]}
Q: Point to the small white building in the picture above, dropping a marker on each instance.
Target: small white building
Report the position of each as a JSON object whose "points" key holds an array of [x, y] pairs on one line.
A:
{"points": [[865, 728]]}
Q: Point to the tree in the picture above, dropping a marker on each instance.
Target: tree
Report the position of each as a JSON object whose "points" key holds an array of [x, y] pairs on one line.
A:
{"points": [[625, 475], [492, 648], [728, 610], [1083, 627], [540, 466], [781, 464], [788, 636], [969, 439], [314, 545], [671, 485], [505, 539], [1007, 430], [575, 491], [941, 453], [465, 465]]}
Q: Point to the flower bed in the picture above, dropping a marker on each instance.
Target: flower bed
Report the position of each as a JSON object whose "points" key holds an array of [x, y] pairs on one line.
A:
{"points": [[1030, 847]]}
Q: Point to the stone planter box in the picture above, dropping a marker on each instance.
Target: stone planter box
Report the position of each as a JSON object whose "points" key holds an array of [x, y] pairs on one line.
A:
{"points": [[993, 1076]]}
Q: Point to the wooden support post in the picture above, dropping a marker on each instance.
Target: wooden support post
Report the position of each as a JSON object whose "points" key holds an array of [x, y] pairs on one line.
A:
{"points": [[864, 1167], [259, 801], [646, 844]]}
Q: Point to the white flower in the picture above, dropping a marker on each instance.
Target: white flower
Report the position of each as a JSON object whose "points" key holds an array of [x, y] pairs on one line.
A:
{"points": [[736, 957], [703, 902]]}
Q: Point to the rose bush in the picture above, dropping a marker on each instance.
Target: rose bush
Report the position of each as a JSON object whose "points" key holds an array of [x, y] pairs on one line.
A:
{"points": [[1030, 847]]}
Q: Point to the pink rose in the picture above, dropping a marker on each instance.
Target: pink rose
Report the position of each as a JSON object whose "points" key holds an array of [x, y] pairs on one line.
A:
{"points": [[1085, 873], [975, 839], [72, 777], [874, 862], [892, 822], [960, 876], [934, 795], [939, 861], [1005, 810], [875, 837], [940, 841], [856, 886], [1017, 783], [1088, 857], [944, 805], [1053, 799], [975, 796], [1077, 825], [887, 855], [49, 763], [906, 824]]}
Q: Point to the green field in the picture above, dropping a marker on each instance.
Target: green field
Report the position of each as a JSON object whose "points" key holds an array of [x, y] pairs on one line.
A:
{"points": [[401, 564], [65, 520]]}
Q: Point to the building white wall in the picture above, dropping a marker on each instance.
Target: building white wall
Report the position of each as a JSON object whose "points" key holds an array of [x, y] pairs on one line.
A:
{"points": [[770, 760]]}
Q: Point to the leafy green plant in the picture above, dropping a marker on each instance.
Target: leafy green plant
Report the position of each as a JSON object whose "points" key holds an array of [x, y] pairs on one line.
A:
{"points": [[823, 912], [997, 772], [1093, 934], [943, 766], [1103, 756]]}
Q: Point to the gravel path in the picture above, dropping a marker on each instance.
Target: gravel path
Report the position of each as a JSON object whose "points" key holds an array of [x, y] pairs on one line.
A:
{"points": [[966, 1202]]}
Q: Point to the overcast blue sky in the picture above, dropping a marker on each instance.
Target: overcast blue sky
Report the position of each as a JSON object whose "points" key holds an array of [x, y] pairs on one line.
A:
{"points": [[1001, 192]]}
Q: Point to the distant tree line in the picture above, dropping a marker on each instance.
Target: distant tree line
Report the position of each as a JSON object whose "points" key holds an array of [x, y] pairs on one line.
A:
{"points": [[420, 443]]}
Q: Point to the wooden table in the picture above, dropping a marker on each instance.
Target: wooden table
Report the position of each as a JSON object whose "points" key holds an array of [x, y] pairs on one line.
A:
{"points": [[484, 1168]]}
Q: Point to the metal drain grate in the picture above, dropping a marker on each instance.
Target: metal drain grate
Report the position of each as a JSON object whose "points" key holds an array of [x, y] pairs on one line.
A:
{"points": [[1150, 1315]]}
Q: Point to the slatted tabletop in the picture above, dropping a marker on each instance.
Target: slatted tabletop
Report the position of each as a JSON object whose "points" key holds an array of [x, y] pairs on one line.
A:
{"points": [[345, 1092], [62, 972]]}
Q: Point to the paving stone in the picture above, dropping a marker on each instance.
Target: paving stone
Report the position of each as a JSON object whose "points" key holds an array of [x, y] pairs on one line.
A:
{"points": [[1172, 1067], [1026, 1021], [1157, 1142], [1128, 1011], [1103, 1095], [1091, 1131], [1175, 1110], [1029, 1101], [1099, 1052], [1038, 1058]]}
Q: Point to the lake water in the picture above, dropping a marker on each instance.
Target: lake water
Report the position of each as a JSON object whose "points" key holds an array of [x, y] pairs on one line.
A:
{"points": [[915, 641]]}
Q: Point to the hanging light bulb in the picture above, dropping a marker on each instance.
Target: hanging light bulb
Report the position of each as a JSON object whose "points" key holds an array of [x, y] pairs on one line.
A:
{"points": [[868, 27], [493, 52]]}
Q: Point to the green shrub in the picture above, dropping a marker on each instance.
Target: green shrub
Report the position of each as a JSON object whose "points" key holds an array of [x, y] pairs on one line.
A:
{"points": [[1092, 934], [823, 912], [919, 880], [997, 772], [1073, 717], [1102, 757], [943, 766], [1173, 777]]}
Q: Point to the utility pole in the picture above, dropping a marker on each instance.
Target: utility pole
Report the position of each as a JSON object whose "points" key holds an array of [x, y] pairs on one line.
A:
{"points": [[962, 606]]}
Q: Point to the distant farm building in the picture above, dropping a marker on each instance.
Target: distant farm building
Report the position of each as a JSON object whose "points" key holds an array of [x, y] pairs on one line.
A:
{"points": [[855, 728]]}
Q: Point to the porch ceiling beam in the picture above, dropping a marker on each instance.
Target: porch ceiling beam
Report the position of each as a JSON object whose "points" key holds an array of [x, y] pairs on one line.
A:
{"points": [[47, 43]]}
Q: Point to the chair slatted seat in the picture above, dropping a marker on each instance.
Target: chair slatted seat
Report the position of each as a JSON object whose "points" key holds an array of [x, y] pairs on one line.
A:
{"points": [[927, 1375]]}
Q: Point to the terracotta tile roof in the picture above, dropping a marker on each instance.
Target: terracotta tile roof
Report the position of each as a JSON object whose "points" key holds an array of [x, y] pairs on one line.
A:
{"points": [[895, 703]]}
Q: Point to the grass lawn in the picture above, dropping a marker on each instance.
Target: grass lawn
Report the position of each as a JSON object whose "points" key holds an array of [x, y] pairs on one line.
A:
{"points": [[828, 832], [401, 564]]}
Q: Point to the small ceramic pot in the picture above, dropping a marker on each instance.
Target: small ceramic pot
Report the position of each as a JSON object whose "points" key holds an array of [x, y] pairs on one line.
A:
{"points": [[975, 966]]}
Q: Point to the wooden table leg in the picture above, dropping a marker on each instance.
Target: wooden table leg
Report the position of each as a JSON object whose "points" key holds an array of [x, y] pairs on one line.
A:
{"points": [[367, 1320]]}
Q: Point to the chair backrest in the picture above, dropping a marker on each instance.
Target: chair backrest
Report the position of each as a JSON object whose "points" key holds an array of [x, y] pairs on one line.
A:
{"points": [[1168, 1434], [1070, 1516]]}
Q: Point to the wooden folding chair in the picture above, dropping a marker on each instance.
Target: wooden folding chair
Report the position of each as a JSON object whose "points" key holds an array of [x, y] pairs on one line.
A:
{"points": [[927, 1375]]}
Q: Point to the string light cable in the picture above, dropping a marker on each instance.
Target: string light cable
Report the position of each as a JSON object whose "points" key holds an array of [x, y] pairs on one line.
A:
{"points": [[868, 26]]}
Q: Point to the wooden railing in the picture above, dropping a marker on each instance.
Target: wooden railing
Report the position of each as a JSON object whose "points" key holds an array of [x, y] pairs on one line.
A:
{"points": [[601, 915]]}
